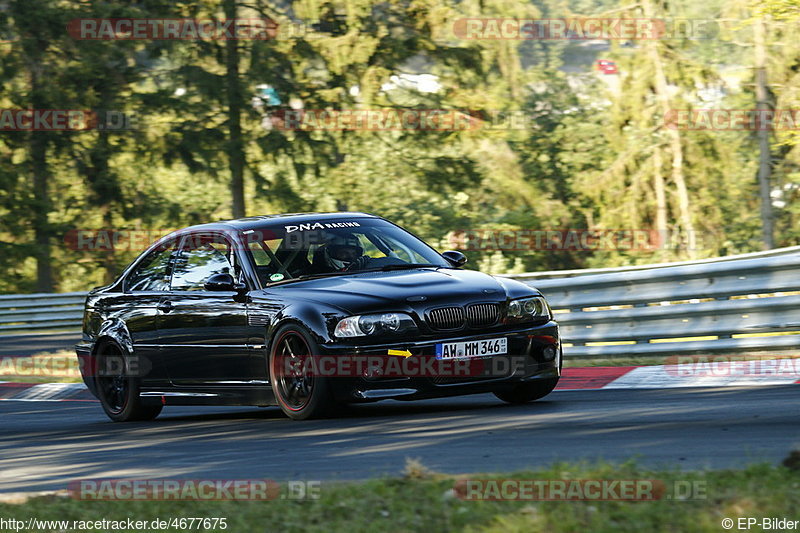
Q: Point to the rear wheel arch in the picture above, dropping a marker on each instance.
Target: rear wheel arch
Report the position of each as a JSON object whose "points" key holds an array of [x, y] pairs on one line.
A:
{"points": [[104, 341], [125, 385], [116, 330]]}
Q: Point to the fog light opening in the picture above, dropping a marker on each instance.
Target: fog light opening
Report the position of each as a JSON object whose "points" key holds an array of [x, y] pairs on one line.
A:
{"points": [[373, 372], [549, 353]]}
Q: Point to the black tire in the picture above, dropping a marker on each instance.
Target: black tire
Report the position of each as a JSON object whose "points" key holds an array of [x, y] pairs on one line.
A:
{"points": [[117, 390], [527, 392], [300, 396]]}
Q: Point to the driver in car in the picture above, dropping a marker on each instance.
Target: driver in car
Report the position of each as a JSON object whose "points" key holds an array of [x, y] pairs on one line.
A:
{"points": [[339, 253]]}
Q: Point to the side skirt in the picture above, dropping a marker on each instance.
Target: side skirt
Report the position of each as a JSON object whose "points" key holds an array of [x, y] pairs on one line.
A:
{"points": [[258, 396]]}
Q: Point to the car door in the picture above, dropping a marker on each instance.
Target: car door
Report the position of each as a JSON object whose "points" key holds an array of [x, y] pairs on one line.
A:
{"points": [[143, 289], [204, 334]]}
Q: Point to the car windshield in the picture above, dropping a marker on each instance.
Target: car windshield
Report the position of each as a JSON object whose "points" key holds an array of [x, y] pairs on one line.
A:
{"points": [[322, 248]]}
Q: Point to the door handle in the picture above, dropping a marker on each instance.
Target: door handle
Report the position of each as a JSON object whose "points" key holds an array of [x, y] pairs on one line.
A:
{"points": [[165, 307]]}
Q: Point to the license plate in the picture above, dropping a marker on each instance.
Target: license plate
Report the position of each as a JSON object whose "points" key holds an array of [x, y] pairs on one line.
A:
{"points": [[467, 349]]}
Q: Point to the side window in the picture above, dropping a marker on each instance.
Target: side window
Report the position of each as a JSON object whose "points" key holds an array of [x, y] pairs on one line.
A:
{"points": [[152, 274], [200, 257]]}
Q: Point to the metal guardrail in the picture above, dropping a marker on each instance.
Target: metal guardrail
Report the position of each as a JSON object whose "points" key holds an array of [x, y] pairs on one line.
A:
{"points": [[722, 305], [631, 268], [728, 306], [41, 312]]}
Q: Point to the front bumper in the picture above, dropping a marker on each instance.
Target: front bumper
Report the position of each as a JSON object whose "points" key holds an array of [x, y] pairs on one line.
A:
{"points": [[527, 359]]}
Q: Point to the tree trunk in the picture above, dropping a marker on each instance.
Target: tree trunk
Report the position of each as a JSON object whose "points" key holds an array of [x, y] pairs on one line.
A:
{"points": [[41, 195], [236, 156], [107, 191], [764, 156], [661, 201], [676, 146]]}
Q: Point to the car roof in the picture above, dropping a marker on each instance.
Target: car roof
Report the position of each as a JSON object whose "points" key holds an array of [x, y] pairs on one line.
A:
{"points": [[256, 222]]}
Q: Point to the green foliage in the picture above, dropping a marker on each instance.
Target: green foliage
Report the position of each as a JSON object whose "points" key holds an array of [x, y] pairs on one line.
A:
{"points": [[588, 155], [427, 501]]}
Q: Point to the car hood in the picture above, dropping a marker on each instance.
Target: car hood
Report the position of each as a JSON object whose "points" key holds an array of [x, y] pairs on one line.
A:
{"points": [[403, 289]]}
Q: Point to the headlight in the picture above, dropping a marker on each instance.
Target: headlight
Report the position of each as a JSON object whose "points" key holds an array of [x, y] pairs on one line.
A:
{"points": [[377, 324], [528, 308]]}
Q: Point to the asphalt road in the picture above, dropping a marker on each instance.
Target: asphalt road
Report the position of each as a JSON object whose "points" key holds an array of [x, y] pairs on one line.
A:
{"points": [[45, 445], [30, 344]]}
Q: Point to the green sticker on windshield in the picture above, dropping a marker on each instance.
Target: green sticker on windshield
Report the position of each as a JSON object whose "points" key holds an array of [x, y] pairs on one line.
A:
{"points": [[276, 277]]}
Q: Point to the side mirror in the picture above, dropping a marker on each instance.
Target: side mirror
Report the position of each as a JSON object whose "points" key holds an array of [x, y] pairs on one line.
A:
{"points": [[455, 258], [224, 282]]}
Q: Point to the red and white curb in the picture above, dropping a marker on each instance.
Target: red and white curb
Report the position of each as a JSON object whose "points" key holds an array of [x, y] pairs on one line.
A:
{"points": [[696, 374], [44, 392], [733, 373]]}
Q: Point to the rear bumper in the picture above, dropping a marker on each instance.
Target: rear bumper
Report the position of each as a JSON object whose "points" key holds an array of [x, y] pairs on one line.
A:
{"points": [[85, 361]]}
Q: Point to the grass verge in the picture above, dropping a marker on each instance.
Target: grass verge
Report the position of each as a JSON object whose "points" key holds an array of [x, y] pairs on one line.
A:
{"points": [[55, 367], [425, 501]]}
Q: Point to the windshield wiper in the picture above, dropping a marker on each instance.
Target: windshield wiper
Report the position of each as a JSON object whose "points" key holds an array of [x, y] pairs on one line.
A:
{"points": [[311, 276]]}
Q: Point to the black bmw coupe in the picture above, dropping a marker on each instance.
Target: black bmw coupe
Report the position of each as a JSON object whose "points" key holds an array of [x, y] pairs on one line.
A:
{"points": [[310, 312]]}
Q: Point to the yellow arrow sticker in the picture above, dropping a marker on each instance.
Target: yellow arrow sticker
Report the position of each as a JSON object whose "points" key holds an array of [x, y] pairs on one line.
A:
{"points": [[402, 353]]}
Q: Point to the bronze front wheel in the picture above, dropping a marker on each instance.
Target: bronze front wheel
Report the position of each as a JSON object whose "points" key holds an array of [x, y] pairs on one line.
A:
{"points": [[299, 393]]}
